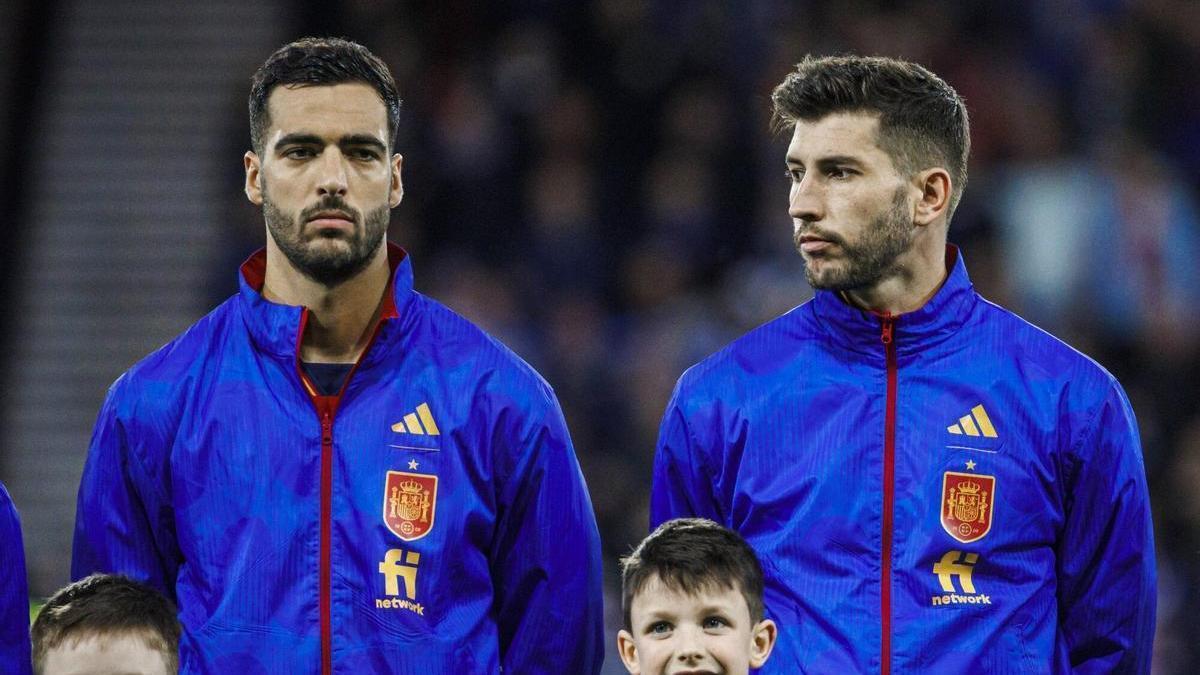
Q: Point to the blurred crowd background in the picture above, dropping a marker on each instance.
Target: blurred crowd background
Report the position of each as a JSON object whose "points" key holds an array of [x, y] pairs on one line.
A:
{"points": [[596, 183]]}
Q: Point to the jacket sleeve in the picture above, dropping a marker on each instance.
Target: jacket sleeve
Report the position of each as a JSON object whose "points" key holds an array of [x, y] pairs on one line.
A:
{"points": [[545, 557], [1106, 571], [14, 592], [124, 522], [682, 487]]}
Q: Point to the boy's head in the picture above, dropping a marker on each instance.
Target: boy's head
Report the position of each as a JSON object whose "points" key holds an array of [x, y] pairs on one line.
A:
{"points": [[692, 594], [106, 624]]}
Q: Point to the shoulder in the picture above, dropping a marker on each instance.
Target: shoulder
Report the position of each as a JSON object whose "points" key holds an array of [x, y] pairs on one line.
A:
{"points": [[759, 353], [8, 511], [1074, 393], [153, 385], [1049, 357], [459, 345]]}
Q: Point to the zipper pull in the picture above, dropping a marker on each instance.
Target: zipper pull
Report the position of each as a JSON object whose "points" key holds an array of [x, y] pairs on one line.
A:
{"points": [[326, 428], [887, 323]]}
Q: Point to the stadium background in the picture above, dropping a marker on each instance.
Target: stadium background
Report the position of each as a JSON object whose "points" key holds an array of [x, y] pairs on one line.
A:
{"points": [[596, 184]]}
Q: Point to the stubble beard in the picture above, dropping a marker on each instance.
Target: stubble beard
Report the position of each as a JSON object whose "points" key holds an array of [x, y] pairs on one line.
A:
{"points": [[867, 262], [326, 265]]}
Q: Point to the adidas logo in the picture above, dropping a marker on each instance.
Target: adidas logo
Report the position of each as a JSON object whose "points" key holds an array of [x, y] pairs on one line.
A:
{"points": [[974, 423], [420, 423]]}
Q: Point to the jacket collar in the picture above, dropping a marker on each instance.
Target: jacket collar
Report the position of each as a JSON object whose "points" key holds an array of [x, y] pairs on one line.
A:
{"points": [[938, 318], [276, 328]]}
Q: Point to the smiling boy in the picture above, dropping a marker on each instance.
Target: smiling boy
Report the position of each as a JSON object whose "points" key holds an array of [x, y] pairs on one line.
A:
{"points": [[692, 598]]}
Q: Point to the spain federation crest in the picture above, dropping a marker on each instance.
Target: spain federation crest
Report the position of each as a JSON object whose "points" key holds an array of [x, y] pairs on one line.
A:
{"points": [[967, 505], [409, 504]]}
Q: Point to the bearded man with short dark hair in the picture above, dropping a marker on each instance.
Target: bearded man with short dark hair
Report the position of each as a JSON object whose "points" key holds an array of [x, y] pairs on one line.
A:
{"points": [[332, 472], [932, 484]]}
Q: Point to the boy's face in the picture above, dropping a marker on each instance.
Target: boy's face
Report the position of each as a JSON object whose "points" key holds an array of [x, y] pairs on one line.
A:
{"points": [[121, 654], [676, 634]]}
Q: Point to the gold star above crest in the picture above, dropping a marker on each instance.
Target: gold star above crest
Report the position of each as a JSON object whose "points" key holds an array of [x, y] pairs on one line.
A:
{"points": [[412, 464], [970, 465]]}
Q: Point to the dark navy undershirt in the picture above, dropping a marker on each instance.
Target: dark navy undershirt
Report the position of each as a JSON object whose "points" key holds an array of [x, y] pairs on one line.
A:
{"points": [[328, 378]]}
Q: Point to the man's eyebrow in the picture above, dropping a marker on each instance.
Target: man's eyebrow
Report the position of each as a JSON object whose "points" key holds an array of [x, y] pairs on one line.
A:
{"points": [[827, 161], [363, 139], [840, 159], [299, 139]]}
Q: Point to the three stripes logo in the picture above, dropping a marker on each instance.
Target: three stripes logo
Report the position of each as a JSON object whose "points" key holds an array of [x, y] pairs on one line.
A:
{"points": [[419, 423], [974, 423]]}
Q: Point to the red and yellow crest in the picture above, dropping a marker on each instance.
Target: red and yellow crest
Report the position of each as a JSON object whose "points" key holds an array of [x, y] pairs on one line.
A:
{"points": [[967, 505], [409, 504]]}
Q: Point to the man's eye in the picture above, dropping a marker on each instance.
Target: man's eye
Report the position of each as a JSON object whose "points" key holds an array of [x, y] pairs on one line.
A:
{"points": [[840, 172], [298, 153], [715, 622], [794, 175], [365, 155]]}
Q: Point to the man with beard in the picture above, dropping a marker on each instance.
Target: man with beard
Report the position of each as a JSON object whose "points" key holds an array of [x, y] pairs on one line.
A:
{"points": [[932, 484], [331, 471]]}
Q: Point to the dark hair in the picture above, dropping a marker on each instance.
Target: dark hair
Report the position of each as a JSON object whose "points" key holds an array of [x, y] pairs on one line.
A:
{"points": [[691, 555], [320, 61], [922, 120], [107, 605]]}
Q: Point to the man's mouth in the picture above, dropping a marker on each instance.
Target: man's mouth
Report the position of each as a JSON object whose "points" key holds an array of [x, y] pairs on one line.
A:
{"points": [[339, 220], [810, 243]]}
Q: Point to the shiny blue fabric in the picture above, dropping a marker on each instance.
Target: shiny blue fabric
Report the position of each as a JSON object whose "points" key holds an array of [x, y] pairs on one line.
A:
{"points": [[781, 436], [14, 592], [203, 478]]}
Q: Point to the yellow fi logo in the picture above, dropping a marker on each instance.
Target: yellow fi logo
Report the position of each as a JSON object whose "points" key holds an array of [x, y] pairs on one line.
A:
{"points": [[956, 564], [398, 566]]}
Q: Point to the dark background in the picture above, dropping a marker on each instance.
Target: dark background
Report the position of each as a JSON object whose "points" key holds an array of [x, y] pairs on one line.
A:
{"points": [[596, 184]]}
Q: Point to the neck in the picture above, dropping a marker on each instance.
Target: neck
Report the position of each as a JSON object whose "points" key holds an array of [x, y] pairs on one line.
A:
{"points": [[919, 274], [341, 318]]}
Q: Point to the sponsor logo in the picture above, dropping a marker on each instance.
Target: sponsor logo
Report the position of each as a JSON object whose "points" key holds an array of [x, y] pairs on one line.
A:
{"points": [[967, 501], [956, 565], [400, 567], [974, 423], [409, 503], [418, 423]]}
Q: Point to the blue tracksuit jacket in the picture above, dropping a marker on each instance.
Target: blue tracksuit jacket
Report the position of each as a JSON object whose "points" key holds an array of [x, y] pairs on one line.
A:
{"points": [[950, 490], [14, 592], [430, 519]]}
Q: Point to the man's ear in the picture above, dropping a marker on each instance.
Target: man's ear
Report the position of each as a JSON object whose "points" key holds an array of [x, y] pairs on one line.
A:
{"points": [[253, 177], [934, 199], [396, 190], [762, 641], [628, 651]]}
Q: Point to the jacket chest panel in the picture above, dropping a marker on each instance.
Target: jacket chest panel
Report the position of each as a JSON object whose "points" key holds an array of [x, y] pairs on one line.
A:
{"points": [[807, 472]]}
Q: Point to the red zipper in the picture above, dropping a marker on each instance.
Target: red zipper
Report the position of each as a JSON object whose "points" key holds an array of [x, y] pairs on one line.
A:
{"points": [[326, 535], [889, 480], [326, 407]]}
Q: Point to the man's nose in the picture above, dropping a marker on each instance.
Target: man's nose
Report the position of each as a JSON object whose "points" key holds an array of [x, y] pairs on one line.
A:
{"points": [[806, 200], [332, 180]]}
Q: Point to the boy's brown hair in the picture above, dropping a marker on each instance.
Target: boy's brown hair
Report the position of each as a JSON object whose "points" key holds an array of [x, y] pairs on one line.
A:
{"points": [[692, 555], [107, 605]]}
